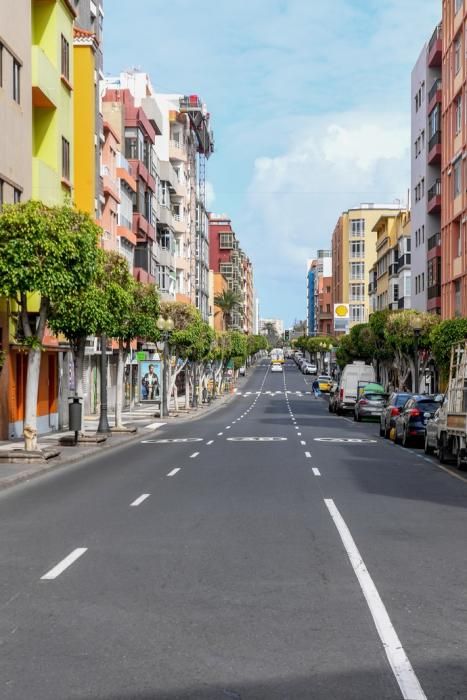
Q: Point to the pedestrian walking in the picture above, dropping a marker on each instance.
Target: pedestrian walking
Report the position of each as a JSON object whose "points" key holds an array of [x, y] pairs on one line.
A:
{"points": [[316, 389]]}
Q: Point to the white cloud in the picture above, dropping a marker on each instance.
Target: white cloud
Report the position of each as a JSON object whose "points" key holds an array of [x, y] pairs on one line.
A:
{"points": [[335, 162]]}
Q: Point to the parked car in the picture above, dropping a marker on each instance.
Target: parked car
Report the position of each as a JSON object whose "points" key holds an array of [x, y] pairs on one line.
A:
{"points": [[432, 432], [412, 420], [369, 405], [308, 368], [314, 369], [242, 371], [353, 375], [276, 367], [325, 383], [392, 409]]}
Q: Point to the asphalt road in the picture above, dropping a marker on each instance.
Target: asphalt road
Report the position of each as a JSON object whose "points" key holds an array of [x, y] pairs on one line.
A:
{"points": [[288, 568]]}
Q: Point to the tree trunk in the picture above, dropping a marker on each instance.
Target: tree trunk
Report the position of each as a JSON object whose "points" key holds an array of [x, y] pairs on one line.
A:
{"points": [[78, 362], [34, 366], [120, 387], [187, 389]]}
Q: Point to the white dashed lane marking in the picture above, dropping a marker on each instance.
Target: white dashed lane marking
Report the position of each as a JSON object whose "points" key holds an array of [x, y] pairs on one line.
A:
{"points": [[174, 471], [64, 564], [140, 499]]}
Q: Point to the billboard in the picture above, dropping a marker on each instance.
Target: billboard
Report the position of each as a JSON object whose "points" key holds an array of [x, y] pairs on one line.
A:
{"points": [[341, 318]]}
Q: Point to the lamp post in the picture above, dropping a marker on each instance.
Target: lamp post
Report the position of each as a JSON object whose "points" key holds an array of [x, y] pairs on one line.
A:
{"points": [[166, 326], [323, 347], [417, 326], [103, 426]]}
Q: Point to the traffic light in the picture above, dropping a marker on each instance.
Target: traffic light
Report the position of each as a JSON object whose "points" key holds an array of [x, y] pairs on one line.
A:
{"points": [[286, 335]]}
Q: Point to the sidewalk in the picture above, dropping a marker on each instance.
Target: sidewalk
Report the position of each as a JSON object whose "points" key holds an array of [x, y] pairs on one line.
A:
{"points": [[143, 418]]}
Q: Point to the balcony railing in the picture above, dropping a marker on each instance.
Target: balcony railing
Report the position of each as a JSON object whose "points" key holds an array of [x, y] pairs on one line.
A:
{"points": [[437, 34], [393, 269], [434, 291], [435, 190], [434, 241], [434, 89], [435, 140], [404, 260]]}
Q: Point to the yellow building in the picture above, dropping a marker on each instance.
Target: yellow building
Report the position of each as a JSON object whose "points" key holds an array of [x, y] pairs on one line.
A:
{"points": [[392, 267], [52, 98], [353, 256]]}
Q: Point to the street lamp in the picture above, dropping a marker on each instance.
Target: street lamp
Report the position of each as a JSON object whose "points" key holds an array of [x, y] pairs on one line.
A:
{"points": [[103, 427], [166, 326], [323, 347], [417, 326]]}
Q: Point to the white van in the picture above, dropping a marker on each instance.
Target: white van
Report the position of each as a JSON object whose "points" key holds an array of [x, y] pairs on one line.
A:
{"points": [[353, 376]]}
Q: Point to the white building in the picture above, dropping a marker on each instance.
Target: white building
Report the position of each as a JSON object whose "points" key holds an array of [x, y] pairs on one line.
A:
{"points": [[276, 322]]}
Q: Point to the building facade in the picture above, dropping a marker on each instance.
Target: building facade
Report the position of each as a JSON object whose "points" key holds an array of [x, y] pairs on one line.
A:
{"points": [[390, 276], [453, 164], [227, 258], [353, 256], [425, 251]]}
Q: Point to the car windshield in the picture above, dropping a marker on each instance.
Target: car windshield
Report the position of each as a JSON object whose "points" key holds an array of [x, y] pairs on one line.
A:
{"points": [[380, 398], [401, 399], [428, 406], [324, 378]]}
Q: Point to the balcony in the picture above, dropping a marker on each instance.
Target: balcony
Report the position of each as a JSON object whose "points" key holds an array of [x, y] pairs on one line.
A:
{"points": [[434, 241], [179, 223], [177, 150], [434, 149], [166, 216], [393, 269], [45, 80], [434, 198], [127, 234], [434, 291], [434, 95], [168, 174], [109, 184], [435, 48], [404, 261]]}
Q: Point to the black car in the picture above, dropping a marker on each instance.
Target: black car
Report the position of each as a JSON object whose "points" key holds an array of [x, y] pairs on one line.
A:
{"points": [[391, 411], [412, 420]]}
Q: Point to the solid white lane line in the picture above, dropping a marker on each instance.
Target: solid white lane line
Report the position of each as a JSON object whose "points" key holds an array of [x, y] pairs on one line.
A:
{"points": [[302, 442], [64, 564], [210, 442], [398, 660], [195, 454], [307, 455], [174, 471], [140, 499], [220, 433], [316, 471]]}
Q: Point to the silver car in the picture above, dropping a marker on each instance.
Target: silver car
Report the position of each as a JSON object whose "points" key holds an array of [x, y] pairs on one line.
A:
{"points": [[369, 405]]}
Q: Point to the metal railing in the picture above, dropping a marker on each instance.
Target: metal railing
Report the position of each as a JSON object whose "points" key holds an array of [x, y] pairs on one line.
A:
{"points": [[434, 241], [435, 140], [434, 291], [435, 190], [437, 34], [434, 89]]}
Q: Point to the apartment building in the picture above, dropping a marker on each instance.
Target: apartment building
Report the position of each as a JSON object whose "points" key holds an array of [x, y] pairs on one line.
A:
{"points": [[453, 160], [88, 121], [323, 293], [353, 256], [15, 166], [227, 258], [426, 177], [390, 275], [277, 324]]}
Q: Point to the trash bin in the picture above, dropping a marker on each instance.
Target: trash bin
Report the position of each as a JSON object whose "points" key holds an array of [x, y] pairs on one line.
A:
{"points": [[75, 411]]}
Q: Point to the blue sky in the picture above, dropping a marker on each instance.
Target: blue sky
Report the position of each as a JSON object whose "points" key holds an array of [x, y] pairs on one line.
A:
{"points": [[310, 103]]}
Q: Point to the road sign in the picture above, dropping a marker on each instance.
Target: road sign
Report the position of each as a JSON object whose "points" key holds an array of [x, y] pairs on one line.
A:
{"points": [[346, 440]]}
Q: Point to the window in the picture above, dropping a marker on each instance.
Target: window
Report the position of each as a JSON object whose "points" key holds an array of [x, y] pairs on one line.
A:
{"points": [[16, 81], [423, 282], [65, 58], [434, 121], [458, 243], [1, 65], [65, 159], [226, 269], [407, 285], [357, 292], [457, 53], [357, 249], [458, 114], [226, 240], [457, 6], [357, 271], [16, 195], [457, 298], [457, 177], [357, 228], [357, 312]]}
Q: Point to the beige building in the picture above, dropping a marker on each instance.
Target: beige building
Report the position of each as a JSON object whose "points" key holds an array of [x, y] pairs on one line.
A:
{"points": [[354, 254], [15, 103], [390, 277]]}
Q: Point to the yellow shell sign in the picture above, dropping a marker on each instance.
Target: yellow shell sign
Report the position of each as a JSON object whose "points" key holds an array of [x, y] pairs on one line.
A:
{"points": [[341, 310]]}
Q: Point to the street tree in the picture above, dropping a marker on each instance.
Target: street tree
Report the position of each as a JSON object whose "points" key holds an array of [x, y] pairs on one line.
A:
{"points": [[442, 338], [228, 301], [46, 253], [404, 340]]}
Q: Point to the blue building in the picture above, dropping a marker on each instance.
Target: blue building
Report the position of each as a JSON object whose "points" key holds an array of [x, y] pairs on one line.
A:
{"points": [[310, 298]]}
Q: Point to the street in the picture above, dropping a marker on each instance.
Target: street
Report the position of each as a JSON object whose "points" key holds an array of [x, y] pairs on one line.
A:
{"points": [[295, 566]]}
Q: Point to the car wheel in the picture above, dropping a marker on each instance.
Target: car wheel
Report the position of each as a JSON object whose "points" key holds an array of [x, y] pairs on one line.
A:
{"points": [[329, 408], [442, 451], [428, 447], [355, 416], [396, 437]]}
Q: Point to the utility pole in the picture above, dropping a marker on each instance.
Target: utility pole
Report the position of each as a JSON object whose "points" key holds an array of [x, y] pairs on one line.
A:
{"points": [[103, 426]]}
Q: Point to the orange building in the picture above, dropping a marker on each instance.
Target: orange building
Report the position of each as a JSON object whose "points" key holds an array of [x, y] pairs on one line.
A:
{"points": [[453, 163], [324, 308]]}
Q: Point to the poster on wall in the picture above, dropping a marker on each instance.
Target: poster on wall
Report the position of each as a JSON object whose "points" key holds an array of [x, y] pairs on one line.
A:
{"points": [[150, 381]]}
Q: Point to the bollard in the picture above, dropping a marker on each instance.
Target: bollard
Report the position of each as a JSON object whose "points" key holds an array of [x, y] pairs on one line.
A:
{"points": [[75, 410]]}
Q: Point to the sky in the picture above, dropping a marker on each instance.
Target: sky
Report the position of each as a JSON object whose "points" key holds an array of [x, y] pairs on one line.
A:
{"points": [[310, 107]]}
